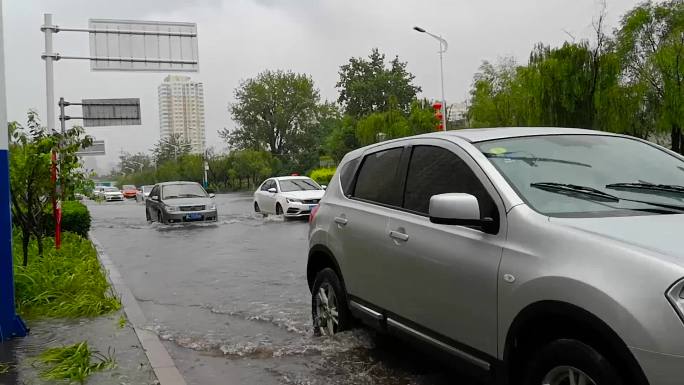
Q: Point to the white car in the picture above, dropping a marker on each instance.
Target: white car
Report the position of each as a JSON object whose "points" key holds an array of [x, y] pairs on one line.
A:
{"points": [[112, 194], [291, 196], [143, 193]]}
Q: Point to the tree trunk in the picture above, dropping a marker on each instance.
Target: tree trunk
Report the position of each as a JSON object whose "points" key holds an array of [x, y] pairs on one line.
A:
{"points": [[25, 238], [676, 136]]}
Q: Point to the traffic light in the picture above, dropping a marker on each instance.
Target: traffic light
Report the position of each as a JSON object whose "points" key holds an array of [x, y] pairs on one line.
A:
{"points": [[438, 115]]}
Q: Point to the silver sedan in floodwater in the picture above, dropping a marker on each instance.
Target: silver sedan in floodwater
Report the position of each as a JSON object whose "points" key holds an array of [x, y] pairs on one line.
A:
{"points": [[180, 202], [539, 256]]}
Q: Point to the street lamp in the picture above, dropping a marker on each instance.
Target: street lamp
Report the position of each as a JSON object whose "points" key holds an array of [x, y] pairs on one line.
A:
{"points": [[442, 49]]}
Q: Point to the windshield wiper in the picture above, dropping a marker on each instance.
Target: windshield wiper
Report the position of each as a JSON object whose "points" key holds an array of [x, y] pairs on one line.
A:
{"points": [[171, 197], [647, 187], [571, 189], [575, 189], [191, 196], [532, 161]]}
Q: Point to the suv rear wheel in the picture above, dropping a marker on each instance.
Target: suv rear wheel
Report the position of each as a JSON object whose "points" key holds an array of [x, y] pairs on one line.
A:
{"points": [[570, 362], [329, 304]]}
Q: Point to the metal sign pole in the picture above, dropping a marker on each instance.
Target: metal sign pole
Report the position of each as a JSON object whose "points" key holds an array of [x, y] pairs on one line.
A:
{"points": [[10, 323], [49, 57]]}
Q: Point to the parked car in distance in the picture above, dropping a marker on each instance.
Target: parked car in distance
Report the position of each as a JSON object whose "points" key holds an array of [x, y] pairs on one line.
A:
{"points": [[291, 196], [534, 255], [180, 202], [112, 194], [129, 191]]}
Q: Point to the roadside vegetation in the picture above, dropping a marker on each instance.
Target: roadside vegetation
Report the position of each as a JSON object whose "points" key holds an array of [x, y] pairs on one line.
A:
{"points": [[64, 283], [74, 363]]}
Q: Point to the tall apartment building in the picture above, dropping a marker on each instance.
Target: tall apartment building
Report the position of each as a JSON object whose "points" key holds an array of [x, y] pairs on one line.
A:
{"points": [[181, 110]]}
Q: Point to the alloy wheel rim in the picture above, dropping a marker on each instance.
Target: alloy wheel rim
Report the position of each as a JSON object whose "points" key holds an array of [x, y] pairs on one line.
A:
{"points": [[567, 375], [328, 315]]}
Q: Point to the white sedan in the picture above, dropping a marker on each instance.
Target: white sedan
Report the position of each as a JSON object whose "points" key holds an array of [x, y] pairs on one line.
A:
{"points": [[112, 194], [291, 196]]}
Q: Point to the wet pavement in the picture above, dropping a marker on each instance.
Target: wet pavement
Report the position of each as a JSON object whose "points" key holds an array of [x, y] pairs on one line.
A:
{"points": [[103, 334], [231, 302]]}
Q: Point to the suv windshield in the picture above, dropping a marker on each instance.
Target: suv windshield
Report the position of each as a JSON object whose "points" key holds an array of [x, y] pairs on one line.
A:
{"points": [[567, 167], [288, 185], [183, 191], [111, 189], [128, 187]]}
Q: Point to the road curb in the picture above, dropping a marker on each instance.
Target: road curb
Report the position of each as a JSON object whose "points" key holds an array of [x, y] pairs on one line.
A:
{"points": [[164, 368]]}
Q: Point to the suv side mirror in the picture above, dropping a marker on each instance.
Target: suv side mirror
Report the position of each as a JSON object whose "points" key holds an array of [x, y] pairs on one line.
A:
{"points": [[272, 190], [457, 209], [155, 197], [324, 186], [212, 195]]}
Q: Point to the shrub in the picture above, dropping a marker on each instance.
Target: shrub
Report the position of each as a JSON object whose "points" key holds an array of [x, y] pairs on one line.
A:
{"points": [[65, 283], [322, 175], [75, 219]]}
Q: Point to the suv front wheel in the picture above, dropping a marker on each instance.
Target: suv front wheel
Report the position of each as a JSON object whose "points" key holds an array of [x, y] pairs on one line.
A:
{"points": [[570, 362], [329, 304]]}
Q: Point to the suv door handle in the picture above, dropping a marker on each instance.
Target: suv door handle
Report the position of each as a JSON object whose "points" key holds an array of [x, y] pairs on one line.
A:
{"points": [[341, 221], [399, 236]]}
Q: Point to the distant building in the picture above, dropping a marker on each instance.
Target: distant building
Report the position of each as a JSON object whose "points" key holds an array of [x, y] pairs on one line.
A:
{"points": [[181, 110], [457, 115]]}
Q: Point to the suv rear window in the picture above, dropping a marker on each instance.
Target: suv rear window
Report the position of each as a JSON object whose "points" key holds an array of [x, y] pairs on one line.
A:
{"points": [[377, 180]]}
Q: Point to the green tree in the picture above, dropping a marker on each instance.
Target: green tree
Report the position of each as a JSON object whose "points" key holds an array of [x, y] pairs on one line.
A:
{"points": [[650, 42], [278, 112], [31, 185], [170, 148], [366, 85]]}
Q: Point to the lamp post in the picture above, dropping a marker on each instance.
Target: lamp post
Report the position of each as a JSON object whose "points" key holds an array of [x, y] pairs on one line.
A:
{"points": [[442, 49]]}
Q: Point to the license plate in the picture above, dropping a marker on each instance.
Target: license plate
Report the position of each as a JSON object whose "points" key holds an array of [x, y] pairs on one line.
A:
{"points": [[312, 206], [193, 216]]}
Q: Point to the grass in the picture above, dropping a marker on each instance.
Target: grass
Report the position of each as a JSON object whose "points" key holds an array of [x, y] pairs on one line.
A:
{"points": [[74, 362], [65, 283], [5, 367], [122, 322]]}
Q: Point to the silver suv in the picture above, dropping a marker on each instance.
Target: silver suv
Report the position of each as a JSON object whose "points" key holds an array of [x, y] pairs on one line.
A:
{"points": [[535, 255]]}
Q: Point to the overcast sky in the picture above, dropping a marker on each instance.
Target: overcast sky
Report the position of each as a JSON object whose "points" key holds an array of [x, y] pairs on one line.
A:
{"points": [[240, 38]]}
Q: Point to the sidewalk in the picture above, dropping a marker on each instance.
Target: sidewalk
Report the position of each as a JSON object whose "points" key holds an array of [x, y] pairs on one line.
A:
{"points": [[103, 334]]}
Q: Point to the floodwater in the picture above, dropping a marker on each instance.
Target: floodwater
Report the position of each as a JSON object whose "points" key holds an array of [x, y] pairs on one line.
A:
{"points": [[231, 302]]}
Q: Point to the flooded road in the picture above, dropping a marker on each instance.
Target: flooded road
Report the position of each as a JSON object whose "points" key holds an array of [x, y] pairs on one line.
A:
{"points": [[231, 302]]}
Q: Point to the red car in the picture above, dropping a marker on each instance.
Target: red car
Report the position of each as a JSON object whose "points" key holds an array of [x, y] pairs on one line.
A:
{"points": [[129, 191]]}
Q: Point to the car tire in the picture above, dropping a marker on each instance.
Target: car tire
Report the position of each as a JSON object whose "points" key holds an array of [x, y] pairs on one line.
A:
{"points": [[555, 362], [329, 306], [257, 209], [279, 209]]}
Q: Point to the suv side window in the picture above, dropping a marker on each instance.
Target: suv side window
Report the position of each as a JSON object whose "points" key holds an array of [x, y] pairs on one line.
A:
{"points": [[377, 179], [347, 175], [435, 170], [155, 191], [264, 187]]}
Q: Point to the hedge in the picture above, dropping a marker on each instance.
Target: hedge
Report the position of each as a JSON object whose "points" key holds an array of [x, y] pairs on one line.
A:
{"points": [[322, 175], [75, 219]]}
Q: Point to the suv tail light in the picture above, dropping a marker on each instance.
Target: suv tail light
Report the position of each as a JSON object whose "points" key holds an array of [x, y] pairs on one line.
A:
{"points": [[314, 210]]}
